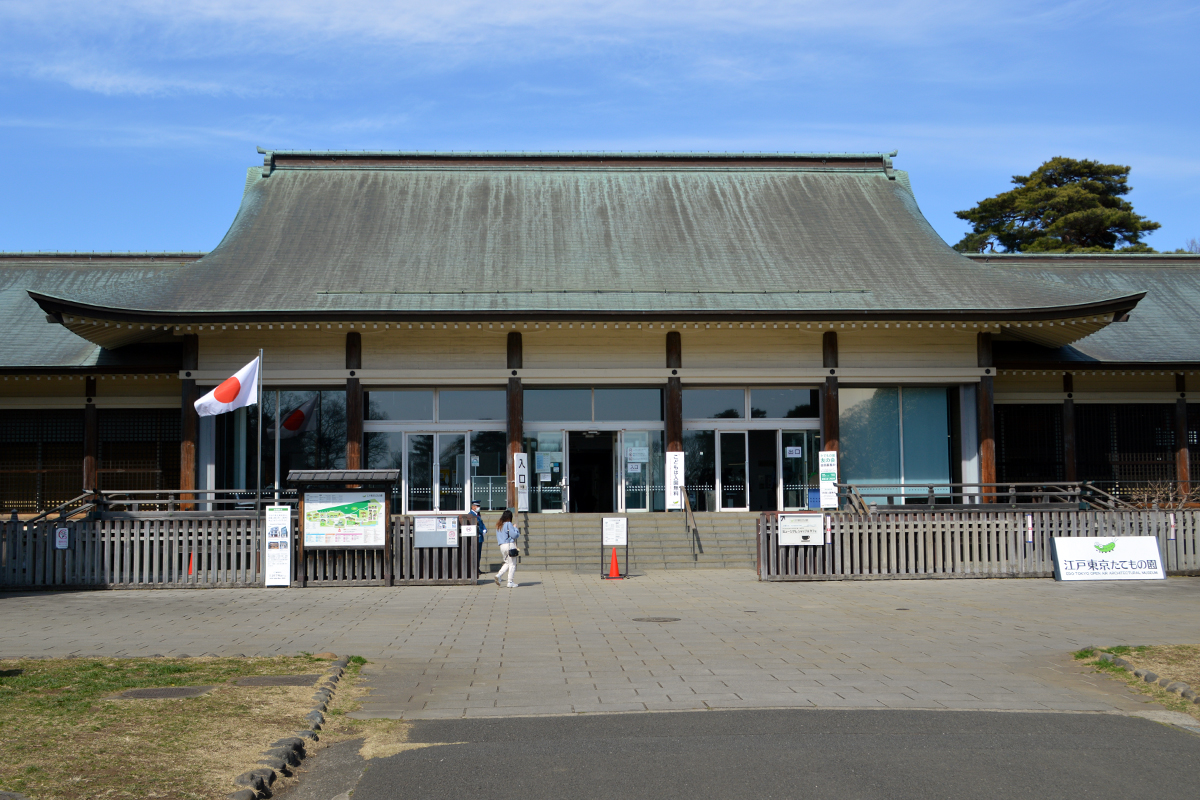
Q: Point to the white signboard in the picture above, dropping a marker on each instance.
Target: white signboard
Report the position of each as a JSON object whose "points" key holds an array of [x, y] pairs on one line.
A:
{"points": [[633, 466], [828, 470], [801, 529], [793, 452], [277, 560], [675, 477], [62, 538], [344, 519], [614, 532], [435, 532], [545, 477], [638, 454], [1107, 558], [521, 479]]}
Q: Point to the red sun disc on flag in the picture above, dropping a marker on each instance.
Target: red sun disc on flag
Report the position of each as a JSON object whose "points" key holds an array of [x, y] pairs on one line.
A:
{"points": [[294, 420], [228, 391]]}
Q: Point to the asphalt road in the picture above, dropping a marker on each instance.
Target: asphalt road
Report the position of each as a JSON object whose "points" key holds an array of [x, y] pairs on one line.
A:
{"points": [[774, 754]]}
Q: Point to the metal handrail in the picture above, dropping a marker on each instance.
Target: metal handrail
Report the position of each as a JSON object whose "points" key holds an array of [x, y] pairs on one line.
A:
{"points": [[955, 494], [694, 530], [61, 509]]}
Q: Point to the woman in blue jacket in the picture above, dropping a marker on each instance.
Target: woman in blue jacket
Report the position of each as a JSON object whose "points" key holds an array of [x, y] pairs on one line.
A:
{"points": [[506, 537]]}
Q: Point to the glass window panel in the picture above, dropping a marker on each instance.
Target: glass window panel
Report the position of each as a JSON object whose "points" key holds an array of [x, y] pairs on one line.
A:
{"points": [[558, 405], [629, 404], [870, 436], [489, 469], [638, 465], [471, 404], [384, 451], [699, 469], [318, 441], [452, 471], [800, 480], [714, 403], [420, 472], [926, 434], [416, 405], [783, 403], [733, 470], [545, 495]]}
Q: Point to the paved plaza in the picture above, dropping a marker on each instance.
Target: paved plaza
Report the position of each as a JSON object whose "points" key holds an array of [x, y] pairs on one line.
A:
{"points": [[566, 643]]}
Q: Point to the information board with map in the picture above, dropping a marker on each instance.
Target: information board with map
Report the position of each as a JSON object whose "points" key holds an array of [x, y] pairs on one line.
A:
{"points": [[344, 519]]}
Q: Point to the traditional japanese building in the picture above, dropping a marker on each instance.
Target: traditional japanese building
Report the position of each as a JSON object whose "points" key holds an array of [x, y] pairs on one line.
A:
{"points": [[438, 313]]}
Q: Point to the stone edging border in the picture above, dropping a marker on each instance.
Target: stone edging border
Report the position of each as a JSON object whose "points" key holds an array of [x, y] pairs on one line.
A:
{"points": [[1175, 687], [288, 752]]}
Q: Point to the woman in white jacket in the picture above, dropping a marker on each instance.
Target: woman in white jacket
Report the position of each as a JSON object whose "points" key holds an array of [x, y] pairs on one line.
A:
{"points": [[506, 537]]}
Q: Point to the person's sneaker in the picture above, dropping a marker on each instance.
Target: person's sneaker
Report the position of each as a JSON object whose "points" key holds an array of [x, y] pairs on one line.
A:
{"points": [[497, 580], [512, 586]]}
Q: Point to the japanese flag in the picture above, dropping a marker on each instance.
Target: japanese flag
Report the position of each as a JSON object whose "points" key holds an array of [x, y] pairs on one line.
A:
{"points": [[299, 421], [237, 392]]}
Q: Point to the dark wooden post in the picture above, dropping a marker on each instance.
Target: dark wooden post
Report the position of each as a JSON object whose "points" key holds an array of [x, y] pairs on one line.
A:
{"points": [[830, 432], [91, 437], [674, 409], [516, 412], [1069, 461], [190, 419], [987, 416], [1183, 467], [354, 402]]}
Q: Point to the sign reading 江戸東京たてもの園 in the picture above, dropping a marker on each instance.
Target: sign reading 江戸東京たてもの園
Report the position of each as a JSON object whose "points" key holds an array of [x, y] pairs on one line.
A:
{"points": [[344, 519], [1107, 558]]}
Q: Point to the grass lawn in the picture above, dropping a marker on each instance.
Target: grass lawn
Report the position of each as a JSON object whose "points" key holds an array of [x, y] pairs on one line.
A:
{"points": [[1179, 662], [63, 737]]}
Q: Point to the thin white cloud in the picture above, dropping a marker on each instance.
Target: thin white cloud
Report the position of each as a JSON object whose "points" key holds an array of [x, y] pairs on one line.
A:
{"points": [[107, 81]]}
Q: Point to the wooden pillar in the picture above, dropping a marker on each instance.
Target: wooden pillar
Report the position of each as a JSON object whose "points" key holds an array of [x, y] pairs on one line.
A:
{"points": [[354, 401], [1183, 467], [830, 433], [190, 419], [674, 406], [516, 412], [91, 437], [987, 416], [1069, 461]]}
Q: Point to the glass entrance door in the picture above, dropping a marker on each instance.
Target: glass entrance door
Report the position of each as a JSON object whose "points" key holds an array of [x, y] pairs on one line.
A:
{"points": [[733, 471], [437, 471]]}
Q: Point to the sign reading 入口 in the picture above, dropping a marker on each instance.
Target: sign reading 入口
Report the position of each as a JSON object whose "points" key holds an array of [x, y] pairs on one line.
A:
{"points": [[344, 519], [801, 529], [827, 467], [521, 479], [1107, 558]]}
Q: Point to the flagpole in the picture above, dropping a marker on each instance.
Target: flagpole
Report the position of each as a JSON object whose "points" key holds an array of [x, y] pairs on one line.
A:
{"points": [[278, 422], [258, 444]]}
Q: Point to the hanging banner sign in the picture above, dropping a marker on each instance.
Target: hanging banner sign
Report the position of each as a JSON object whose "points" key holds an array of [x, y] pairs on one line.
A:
{"points": [[828, 470], [614, 533], [344, 519], [521, 479], [277, 559], [1107, 558], [675, 478], [435, 532], [801, 529]]}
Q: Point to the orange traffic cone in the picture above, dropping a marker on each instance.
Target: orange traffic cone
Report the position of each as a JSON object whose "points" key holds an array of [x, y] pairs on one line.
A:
{"points": [[191, 558], [613, 573]]}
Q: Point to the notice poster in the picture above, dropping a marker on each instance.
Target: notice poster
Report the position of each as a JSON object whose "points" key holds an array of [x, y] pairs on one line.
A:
{"points": [[828, 470], [435, 532], [614, 534], [277, 559], [637, 454], [675, 477], [521, 479], [1107, 558], [344, 519], [801, 529]]}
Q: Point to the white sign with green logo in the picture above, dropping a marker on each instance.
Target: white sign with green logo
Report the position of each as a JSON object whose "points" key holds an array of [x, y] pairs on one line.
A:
{"points": [[827, 461], [1107, 558], [344, 519]]}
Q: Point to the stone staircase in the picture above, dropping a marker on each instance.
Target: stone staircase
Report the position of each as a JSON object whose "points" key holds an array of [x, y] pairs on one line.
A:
{"points": [[656, 541]]}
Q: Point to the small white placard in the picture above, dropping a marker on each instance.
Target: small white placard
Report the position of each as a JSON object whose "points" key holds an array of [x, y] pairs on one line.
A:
{"points": [[62, 538], [801, 529], [277, 561], [614, 532], [1107, 558], [474, 461], [633, 466], [675, 478], [828, 470], [521, 479], [545, 477], [639, 454], [793, 452]]}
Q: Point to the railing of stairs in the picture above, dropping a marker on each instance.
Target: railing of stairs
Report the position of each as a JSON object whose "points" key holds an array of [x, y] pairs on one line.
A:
{"points": [[692, 530]]}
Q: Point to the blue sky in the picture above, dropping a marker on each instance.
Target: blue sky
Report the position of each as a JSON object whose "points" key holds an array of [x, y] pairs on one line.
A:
{"points": [[128, 124]]}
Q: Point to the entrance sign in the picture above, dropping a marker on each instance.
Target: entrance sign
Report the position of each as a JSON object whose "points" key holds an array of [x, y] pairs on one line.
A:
{"points": [[62, 538], [801, 529], [675, 477], [344, 519], [277, 561], [828, 469], [615, 532], [521, 479], [1107, 558], [435, 532], [633, 466]]}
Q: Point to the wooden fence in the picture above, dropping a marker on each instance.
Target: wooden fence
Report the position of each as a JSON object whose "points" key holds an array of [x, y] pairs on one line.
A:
{"points": [[147, 552], [958, 544]]}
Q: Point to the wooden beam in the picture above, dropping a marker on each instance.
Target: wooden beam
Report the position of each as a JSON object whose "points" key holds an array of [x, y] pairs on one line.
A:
{"points": [[1070, 470], [190, 420], [515, 402], [91, 437], [987, 415], [1183, 467], [674, 400], [354, 402], [830, 430]]}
